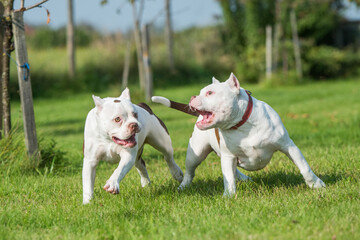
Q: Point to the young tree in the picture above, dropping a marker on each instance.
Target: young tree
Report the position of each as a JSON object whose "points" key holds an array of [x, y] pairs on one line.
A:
{"points": [[169, 35], [70, 42], [8, 47], [1, 47], [138, 40]]}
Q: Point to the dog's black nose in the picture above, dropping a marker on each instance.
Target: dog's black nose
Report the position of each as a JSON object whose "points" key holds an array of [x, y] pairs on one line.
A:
{"points": [[134, 127]]}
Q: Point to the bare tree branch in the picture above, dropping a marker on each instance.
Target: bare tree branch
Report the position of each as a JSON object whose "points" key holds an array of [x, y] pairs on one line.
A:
{"points": [[30, 7], [141, 11]]}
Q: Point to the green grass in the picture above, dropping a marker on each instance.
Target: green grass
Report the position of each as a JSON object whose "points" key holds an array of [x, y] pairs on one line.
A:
{"points": [[323, 120]]}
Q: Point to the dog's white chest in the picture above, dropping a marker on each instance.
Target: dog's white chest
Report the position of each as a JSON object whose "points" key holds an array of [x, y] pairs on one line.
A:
{"points": [[252, 153]]}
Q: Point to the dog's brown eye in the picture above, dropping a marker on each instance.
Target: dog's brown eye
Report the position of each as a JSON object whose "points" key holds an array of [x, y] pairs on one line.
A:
{"points": [[135, 115], [208, 93], [118, 119]]}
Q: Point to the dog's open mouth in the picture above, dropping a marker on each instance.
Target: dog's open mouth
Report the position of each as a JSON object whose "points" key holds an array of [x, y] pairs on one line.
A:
{"points": [[130, 142], [207, 119]]}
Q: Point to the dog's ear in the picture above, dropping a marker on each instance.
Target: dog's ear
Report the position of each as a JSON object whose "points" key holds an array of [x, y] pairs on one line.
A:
{"points": [[125, 94], [98, 102], [214, 80], [234, 83]]}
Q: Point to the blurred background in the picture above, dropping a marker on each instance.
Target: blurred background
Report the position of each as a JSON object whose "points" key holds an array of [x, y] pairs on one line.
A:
{"points": [[188, 42]]}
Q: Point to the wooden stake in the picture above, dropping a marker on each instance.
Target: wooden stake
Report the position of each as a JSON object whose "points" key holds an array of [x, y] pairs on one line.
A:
{"points": [[147, 63], [126, 70], [70, 39], [296, 44], [268, 51], [25, 85]]}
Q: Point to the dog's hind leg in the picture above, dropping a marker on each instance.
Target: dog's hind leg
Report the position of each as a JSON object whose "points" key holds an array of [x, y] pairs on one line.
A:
{"points": [[294, 153], [141, 168], [197, 151], [161, 141], [241, 177]]}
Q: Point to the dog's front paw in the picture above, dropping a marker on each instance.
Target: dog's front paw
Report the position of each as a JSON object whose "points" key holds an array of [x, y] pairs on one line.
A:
{"points": [[318, 183], [185, 182], [112, 186], [228, 194], [178, 175], [86, 199]]}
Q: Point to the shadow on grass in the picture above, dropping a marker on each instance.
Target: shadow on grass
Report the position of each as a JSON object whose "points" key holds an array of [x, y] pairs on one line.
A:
{"points": [[63, 122], [277, 179], [67, 131], [270, 181]]}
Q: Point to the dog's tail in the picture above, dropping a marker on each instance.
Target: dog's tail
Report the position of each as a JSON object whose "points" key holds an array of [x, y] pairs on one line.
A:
{"points": [[175, 105]]}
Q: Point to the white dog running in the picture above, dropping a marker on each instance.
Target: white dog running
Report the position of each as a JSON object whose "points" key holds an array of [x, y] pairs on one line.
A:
{"points": [[242, 130], [117, 129]]}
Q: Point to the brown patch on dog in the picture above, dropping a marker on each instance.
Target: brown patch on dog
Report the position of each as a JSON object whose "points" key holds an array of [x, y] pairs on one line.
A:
{"points": [[142, 162], [117, 101], [217, 135], [140, 154], [148, 109]]}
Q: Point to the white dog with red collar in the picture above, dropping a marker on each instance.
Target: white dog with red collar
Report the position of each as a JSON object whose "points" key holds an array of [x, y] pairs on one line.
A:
{"points": [[242, 130], [116, 131]]}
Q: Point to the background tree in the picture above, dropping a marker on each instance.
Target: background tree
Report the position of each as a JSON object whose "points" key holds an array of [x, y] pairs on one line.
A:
{"points": [[70, 40], [244, 32], [138, 44], [1, 47], [8, 47], [169, 35]]}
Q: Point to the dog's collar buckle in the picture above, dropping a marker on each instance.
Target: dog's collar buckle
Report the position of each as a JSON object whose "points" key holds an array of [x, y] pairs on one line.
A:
{"points": [[247, 112]]}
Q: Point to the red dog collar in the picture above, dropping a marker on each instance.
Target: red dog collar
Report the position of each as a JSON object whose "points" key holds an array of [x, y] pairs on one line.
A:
{"points": [[247, 112]]}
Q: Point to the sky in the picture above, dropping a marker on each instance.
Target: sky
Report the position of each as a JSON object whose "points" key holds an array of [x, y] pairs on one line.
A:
{"points": [[116, 15]]}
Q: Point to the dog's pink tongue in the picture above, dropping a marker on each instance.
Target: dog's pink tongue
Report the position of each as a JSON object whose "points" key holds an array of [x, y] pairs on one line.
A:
{"points": [[118, 141], [128, 142], [206, 115]]}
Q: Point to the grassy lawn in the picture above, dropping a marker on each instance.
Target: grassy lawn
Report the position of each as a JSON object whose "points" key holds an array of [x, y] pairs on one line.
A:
{"points": [[322, 118]]}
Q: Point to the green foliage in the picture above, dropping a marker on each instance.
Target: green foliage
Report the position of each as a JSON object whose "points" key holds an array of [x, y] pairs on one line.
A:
{"points": [[233, 33], [245, 23], [15, 160], [327, 62], [244, 38], [317, 20], [251, 66], [45, 37]]}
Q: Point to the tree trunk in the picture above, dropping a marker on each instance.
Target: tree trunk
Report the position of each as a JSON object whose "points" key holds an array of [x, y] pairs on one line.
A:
{"points": [[1, 67], [126, 70], [296, 44], [268, 51], [24, 79], [147, 63], [169, 36], [7, 47], [277, 34], [137, 36], [70, 39]]}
